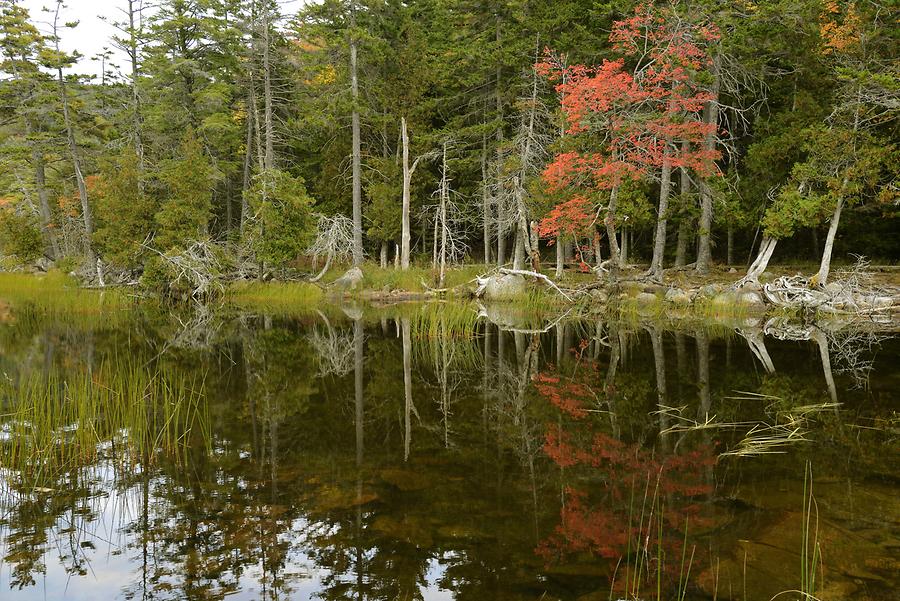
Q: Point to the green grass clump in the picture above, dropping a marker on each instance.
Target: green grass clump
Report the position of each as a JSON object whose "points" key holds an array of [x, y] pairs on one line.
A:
{"points": [[275, 296], [55, 294]]}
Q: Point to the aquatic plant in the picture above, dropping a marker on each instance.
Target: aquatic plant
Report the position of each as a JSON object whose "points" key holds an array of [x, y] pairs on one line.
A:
{"points": [[126, 413]]}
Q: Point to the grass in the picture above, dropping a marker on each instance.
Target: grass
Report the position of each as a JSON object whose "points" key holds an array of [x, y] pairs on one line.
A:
{"points": [[278, 296], [51, 425], [56, 294]]}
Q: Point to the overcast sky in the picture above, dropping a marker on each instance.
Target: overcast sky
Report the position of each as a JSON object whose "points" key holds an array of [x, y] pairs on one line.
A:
{"points": [[93, 35]]}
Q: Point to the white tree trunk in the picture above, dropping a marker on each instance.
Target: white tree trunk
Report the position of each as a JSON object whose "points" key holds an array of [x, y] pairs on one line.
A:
{"points": [[407, 176], [821, 278]]}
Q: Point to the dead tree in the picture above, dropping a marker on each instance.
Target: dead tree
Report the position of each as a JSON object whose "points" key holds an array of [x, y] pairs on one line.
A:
{"points": [[334, 239]]}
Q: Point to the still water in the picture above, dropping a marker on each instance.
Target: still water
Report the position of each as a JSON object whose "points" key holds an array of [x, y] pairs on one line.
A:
{"points": [[395, 454]]}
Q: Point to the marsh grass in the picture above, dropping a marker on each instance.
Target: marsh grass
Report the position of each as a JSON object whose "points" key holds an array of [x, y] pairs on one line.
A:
{"points": [[124, 413], [55, 295], [645, 557], [294, 298]]}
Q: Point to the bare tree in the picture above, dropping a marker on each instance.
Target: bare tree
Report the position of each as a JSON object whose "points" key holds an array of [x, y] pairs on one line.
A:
{"points": [[334, 239]]}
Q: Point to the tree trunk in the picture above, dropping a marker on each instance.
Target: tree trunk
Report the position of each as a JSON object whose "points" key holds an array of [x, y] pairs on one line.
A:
{"points": [[498, 99], [659, 240], [485, 202], [384, 254], [248, 168], [626, 245], [560, 258], [87, 216], [730, 252], [40, 182], [684, 223], [616, 256], [598, 258], [407, 176], [269, 157], [759, 265], [445, 198], [706, 201], [821, 278], [357, 157], [135, 95], [535, 248], [518, 250]]}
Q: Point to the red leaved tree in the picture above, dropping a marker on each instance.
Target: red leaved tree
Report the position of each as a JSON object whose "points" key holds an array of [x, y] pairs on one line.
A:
{"points": [[641, 118]]}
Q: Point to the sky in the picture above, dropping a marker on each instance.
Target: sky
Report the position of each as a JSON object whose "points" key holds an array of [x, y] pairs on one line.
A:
{"points": [[92, 35]]}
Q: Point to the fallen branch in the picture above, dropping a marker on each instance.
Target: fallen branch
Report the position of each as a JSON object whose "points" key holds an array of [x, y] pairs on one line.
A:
{"points": [[538, 276]]}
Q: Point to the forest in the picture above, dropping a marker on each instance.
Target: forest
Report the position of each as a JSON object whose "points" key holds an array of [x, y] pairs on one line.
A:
{"points": [[261, 140]]}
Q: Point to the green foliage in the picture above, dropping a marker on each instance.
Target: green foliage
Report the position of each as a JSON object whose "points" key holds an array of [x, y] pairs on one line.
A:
{"points": [[282, 223], [385, 192], [123, 211], [187, 207], [20, 235]]}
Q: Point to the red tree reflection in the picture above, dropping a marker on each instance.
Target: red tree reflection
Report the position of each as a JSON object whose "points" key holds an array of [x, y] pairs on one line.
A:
{"points": [[618, 495]]}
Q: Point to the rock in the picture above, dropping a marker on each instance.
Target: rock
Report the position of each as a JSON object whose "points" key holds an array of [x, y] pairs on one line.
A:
{"points": [[678, 296], [751, 298], [352, 279], [732, 270], [44, 264], [711, 290], [504, 287], [645, 298], [599, 296]]}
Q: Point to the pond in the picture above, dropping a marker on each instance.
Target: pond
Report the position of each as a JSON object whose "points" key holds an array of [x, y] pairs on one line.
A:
{"points": [[422, 452]]}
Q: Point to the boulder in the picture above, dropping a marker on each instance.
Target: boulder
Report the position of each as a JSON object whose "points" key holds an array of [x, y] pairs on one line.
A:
{"points": [[711, 290], [678, 297], [44, 264], [351, 280], [503, 287], [645, 298]]}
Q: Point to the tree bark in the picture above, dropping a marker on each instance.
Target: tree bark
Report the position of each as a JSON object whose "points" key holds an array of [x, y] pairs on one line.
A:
{"points": [[135, 95], [87, 216], [626, 245], [659, 240], [248, 170], [684, 223], [407, 176], [269, 157], [40, 182], [357, 154], [498, 99], [730, 252], [616, 256], [560, 258], [485, 202], [759, 265], [384, 254], [706, 201], [821, 278]]}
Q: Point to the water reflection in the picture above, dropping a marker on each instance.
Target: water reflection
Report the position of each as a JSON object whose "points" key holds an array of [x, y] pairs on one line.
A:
{"points": [[352, 455]]}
